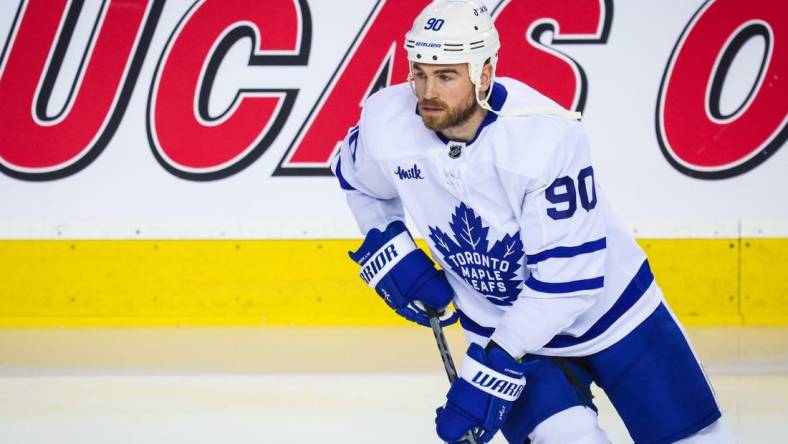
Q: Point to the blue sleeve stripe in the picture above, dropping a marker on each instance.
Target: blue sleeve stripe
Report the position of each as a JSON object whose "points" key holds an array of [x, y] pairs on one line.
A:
{"points": [[566, 252], [353, 142], [470, 325], [565, 287], [342, 182]]}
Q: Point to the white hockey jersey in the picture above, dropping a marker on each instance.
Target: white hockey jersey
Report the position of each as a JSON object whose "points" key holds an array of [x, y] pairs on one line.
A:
{"points": [[515, 217]]}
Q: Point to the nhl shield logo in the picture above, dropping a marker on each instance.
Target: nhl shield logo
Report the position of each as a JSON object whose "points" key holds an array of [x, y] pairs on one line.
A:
{"points": [[455, 151]]}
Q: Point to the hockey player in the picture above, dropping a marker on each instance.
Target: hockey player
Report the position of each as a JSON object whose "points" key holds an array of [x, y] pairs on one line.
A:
{"points": [[548, 285]]}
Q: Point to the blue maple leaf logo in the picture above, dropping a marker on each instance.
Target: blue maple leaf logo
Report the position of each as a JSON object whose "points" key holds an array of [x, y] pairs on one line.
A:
{"points": [[492, 272]]}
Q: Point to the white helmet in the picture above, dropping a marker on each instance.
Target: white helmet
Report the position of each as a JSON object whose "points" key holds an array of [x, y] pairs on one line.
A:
{"points": [[448, 32]]}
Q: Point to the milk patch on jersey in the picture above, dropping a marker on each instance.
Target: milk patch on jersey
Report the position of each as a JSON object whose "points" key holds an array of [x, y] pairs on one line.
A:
{"points": [[411, 173]]}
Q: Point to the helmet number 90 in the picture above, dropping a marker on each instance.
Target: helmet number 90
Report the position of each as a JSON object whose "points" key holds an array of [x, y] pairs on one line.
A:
{"points": [[434, 24]]}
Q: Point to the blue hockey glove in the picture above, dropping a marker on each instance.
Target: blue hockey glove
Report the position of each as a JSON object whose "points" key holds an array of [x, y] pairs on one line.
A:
{"points": [[481, 398], [403, 275]]}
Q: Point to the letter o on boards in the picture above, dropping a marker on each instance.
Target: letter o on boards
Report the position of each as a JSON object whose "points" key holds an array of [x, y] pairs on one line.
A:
{"points": [[695, 135]]}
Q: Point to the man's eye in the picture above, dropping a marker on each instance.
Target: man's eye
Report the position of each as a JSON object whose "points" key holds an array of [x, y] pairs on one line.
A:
{"points": [[445, 78]]}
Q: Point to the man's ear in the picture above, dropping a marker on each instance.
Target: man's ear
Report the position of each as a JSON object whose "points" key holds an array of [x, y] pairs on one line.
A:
{"points": [[486, 78]]}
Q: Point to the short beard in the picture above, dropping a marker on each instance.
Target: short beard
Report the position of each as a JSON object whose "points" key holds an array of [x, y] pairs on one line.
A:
{"points": [[453, 117]]}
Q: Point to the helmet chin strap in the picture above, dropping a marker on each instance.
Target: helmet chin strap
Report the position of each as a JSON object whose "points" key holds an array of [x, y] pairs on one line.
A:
{"points": [[485, 104], [530, 111]]}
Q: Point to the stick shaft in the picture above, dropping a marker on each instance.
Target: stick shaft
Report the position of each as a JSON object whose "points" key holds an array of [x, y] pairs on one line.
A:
{"points": [[448, 362], [443, 348]]}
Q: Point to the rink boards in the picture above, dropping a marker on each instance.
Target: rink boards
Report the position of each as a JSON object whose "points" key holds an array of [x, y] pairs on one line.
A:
{"points": [[211, 124], [313, 283]]}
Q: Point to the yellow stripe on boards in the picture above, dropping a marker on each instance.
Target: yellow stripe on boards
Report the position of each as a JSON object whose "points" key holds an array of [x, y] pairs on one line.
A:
{"points": [[313, 283], [699, 278], [764, 281], [90, 283]]}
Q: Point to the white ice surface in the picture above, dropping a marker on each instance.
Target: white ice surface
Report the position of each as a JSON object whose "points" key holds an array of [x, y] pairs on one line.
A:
{"points": [[152, 386]]}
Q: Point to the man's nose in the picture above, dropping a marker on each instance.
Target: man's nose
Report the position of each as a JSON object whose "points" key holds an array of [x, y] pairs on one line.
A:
{"points": [[430, 92]]}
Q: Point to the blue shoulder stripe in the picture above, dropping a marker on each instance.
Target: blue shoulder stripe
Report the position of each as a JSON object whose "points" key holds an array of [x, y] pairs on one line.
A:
{"points": [[566, 252], [342, 182], [565, 287]]}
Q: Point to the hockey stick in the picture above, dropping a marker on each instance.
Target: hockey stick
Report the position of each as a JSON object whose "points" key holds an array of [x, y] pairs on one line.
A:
{"points": [[443, 348]]}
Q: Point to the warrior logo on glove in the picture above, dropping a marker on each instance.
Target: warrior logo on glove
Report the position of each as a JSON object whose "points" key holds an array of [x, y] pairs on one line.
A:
{"points": [[381, 259], [492, 382], [403, 275]]}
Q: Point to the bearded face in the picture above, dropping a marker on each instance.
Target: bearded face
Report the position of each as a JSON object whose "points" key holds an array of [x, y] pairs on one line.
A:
{"points": [[437, 115], [447, 98]]}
